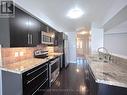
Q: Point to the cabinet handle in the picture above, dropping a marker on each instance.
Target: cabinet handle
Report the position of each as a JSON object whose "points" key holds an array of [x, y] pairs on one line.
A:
{"points": [[31, 36], [54, 61], [36, 76], [28, 38], [36, 70], [40, 86]]}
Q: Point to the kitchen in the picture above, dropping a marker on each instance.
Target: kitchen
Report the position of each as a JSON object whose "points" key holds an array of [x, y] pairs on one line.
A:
{"points": [[51, 50]]}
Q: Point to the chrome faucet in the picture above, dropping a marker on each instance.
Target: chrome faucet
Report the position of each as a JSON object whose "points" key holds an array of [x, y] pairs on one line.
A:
{"points": [[104, 55]]}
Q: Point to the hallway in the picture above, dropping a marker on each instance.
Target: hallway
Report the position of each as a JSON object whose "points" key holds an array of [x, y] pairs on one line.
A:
{"points": [[70, 82]]}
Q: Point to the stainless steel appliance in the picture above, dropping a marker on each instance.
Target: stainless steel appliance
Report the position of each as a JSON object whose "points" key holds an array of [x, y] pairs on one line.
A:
{"points": [[54, 70], [40, 53], [47, 38], [65, 50]]}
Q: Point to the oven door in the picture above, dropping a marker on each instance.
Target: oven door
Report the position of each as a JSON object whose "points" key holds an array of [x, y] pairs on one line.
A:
{"points": [[54, 70]]}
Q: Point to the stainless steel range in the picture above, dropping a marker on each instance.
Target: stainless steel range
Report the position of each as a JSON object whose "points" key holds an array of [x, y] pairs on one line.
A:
{"points": [[54, 70], [40, 53], [54, 64]]}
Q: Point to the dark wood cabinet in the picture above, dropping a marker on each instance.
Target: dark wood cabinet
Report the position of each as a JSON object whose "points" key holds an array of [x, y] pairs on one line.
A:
{"points": [[93, 86], [32, 82], [19, 29], [34, 31], [56, 38], [43, 27], [25, 30], [35, 79], [58, 41], [60, 38]]}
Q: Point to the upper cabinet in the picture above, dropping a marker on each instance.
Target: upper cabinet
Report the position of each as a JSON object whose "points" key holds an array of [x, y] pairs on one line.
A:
{"points": [[19, 29], [58, 40], [34, 31], [24, 30]]}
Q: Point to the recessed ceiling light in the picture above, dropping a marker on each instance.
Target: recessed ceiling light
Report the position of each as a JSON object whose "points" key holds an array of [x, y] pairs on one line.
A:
{"points": [[83, 32], [75, 13]]}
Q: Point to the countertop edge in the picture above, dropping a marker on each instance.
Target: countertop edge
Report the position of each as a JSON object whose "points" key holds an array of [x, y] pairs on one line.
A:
{"points": [[21, 72]]}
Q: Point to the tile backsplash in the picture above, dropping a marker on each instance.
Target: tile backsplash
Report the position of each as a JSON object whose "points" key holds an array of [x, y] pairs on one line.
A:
{"points": [[12, 55]]}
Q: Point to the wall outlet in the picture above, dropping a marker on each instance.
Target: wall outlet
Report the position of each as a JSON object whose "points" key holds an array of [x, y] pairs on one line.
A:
{"points": [[21, 53], [16, 54]]}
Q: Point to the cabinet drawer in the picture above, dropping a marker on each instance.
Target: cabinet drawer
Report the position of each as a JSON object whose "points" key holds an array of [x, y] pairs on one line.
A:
{"points": [[31, 85], [42, 88], [29, 75]]}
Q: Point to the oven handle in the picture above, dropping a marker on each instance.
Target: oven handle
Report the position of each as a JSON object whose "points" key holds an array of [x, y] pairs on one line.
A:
{"points": [[54, 61]]}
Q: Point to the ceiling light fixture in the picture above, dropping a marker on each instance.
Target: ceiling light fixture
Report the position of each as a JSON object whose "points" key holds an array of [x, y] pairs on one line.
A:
{"points": [[83, 32], [75, 13]]}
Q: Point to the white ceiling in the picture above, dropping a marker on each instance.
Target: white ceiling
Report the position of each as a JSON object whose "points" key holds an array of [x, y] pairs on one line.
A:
{"points": [[54, 12]]}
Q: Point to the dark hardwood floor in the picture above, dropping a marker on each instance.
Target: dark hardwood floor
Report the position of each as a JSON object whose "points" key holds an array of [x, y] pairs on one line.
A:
{"points": [[70, 81]]}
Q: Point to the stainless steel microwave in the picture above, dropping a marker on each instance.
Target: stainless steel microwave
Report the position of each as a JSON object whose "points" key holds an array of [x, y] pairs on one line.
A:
{"points": [[47, 38]]}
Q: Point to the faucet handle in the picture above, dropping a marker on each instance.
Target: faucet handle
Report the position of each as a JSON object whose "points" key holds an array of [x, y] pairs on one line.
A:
{"points": [[111, 58]]}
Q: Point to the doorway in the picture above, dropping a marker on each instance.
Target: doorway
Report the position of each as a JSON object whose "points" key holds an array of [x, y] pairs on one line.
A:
{"points": [[83, 45]]}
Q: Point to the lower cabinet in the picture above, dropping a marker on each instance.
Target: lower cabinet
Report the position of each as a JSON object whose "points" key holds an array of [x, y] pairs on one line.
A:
{"points": [[93, 85], [36, 80], [61, 62], [42, 88], [99, 88]]}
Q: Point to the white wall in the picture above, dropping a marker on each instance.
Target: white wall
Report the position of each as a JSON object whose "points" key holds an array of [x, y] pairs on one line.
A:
{"points": [[115, 36], [97, 35], [116, 43], [72, 46]]}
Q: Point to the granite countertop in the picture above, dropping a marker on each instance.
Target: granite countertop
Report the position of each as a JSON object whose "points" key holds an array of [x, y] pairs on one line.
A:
{"points": [[108, 73], [25, 65]]}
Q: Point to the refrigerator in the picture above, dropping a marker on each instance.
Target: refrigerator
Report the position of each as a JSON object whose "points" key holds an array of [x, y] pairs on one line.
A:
{"points": [[65, 51], [63, 46]]}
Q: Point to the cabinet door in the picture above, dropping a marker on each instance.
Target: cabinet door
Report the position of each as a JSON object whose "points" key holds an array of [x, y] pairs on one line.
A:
{"points": [[18, 29], [43, 27], [60, 38], [34, 31], [56, 38], [34, 79]]}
